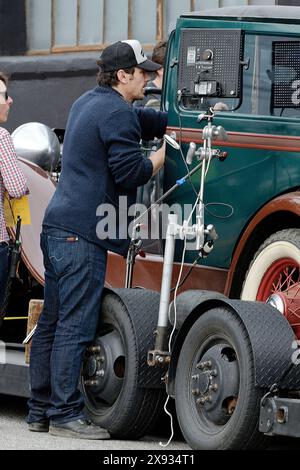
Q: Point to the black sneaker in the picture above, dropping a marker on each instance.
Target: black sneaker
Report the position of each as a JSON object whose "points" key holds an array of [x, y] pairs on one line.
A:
{"points": [[39, 426], [80, 429]]}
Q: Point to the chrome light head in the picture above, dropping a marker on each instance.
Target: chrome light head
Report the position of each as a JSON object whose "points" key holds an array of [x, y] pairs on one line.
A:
{"points": [[37, 143]]}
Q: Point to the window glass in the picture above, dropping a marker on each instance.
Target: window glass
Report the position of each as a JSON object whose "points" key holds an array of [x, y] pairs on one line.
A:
{"points": [[91, 22], [144, 21], [116, 20], [173, 9], [65, 17], [39, 24], [266, 2], [206, 4], [260, 79], [229, 3], [209, 4]]}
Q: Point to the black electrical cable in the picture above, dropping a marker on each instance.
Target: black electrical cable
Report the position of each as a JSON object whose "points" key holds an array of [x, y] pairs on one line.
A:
{"points": [[222, 204], [187, 274]]}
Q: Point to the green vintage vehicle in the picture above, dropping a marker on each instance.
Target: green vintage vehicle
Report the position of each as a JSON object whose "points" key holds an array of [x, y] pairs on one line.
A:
{"points": [[224, 272], [259, 244]]}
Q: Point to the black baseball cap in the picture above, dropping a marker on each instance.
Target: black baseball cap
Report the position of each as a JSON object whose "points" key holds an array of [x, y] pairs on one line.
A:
{"points": [[124, 55]]}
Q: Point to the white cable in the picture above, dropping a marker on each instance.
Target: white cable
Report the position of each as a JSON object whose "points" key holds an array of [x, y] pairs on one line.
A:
{"points": [[171, 424], [194, 208], [208, 163]]}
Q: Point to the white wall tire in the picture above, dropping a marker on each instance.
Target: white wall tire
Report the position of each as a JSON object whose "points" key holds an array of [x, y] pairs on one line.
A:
{"points": [[278, 256]]}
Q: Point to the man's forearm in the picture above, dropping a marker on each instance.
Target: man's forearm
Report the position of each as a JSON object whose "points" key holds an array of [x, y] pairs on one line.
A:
{"points": [[158, 159]]}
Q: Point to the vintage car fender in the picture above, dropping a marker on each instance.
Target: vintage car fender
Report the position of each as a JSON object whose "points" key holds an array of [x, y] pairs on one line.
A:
{"points": [[271, 337], [288, 203], [41, 188]]}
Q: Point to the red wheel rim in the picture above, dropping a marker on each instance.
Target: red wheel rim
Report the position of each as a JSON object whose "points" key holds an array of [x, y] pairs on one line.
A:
{"points": [[281, 276]]}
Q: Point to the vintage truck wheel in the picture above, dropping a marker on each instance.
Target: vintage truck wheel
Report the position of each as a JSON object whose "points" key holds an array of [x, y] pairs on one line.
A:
{"points": [[109, 380], [274, 275], [216, 399]]}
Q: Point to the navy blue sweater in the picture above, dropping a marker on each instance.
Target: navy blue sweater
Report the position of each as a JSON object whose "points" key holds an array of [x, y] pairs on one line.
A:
{"points": [[101, 161]]}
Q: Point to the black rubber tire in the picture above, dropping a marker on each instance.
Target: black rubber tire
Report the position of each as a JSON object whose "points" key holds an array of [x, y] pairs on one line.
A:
{"points": [[219, 325], [135, 411]]}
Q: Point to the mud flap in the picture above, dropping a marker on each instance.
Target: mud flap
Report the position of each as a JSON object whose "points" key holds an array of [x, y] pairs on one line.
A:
{"points": [[271, 337], [143, 307]]}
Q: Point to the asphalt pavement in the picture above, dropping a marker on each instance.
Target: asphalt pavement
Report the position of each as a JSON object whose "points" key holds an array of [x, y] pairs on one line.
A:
{"points": [[14, 435]]}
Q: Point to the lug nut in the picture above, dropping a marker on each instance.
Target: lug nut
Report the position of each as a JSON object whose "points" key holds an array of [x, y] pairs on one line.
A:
{"points": [[214, 373], [195, 377], [100, 373], [94, 349], [200, 365], [91, 383], [195, 391], [213, 388], [200, 401]]}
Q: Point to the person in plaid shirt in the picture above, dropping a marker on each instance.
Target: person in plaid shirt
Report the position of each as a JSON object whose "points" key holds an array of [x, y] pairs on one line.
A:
{"points": [[12, 180]]}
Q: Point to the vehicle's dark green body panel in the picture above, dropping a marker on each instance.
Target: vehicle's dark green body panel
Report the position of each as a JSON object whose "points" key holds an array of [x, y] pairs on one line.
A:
{"points": [[250, 177]]}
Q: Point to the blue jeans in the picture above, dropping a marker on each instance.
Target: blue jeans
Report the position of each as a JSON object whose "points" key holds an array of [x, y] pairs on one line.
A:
{"points": [[74, 280], [4, 266]]}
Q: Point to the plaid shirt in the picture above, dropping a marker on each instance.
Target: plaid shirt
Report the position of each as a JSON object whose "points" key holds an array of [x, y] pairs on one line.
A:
{"points": [[12, 179]]}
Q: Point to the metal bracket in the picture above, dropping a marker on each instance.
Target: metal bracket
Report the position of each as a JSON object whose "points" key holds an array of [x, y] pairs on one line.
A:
{"points": [[158, 358]]}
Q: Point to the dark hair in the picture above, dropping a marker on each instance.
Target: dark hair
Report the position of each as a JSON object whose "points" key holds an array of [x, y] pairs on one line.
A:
{"points": [[3, 78], [159, 52], [110, 78]]}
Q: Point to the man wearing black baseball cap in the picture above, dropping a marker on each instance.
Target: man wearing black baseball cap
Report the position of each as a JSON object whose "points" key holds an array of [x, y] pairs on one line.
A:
{"points": [[102, 161], [126, 54]]}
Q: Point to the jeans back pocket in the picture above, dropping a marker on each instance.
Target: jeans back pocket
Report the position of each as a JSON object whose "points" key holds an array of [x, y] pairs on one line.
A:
{"points": [[62, 253]]}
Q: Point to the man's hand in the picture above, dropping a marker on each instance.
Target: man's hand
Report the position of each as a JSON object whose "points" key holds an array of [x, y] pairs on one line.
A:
{"points": [[158, 159]]}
